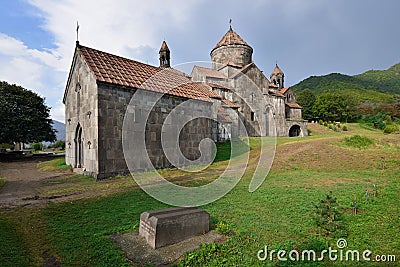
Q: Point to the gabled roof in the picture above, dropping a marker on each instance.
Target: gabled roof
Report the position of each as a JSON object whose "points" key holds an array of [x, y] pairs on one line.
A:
{"points": [[210, 72], [194, 90], [284, 90], [115, 69], [230, 64], [121, 71], [275, 93], [219, 86], [242, 70], [229, 104], [293, 105], [231, 38], [273, 85]]}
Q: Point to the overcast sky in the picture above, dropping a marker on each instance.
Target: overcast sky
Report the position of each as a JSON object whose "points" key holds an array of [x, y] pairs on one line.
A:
{"points": [[37, 37]]}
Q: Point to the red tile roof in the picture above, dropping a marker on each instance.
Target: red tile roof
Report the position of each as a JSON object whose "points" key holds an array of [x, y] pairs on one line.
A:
{"points": [[126, 72], [210, 72], [242, 70], [217, 85], [284, 90], [275, 93], [231, 38], [293, 105], [273, 85], [115, 69], [230, 104]]}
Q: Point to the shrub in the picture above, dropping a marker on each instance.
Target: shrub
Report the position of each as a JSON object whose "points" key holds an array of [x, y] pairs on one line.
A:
{"points": [[59, 144], [325, 123], [393, 128], [320, 122], [334, 128], [37, 146], [328, 218], [330, 126], [358, 141], [344, 128]]}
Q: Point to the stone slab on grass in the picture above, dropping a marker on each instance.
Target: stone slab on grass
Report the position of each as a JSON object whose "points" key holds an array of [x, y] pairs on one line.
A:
{"points": [[168, 226]]}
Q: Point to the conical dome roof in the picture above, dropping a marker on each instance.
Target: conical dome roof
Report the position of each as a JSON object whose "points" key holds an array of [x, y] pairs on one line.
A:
{"points": [[164, 46], [276, 70], [231, 38]]}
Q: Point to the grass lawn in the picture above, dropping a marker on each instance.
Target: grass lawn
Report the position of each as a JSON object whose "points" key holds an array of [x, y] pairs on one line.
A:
{"points": [[278, 215]]}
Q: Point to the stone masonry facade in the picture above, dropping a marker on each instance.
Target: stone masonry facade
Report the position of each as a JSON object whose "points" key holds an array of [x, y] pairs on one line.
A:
{"points": [[232, 98]]}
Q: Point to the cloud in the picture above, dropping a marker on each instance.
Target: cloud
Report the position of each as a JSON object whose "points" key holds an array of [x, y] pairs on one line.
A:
{"points": [[115, 27], [58, 112], [130, 28], [306, 37]]}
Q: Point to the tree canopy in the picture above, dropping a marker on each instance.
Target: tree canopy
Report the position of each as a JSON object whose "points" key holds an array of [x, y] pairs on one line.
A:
{"points": [[24, 116], [306, 99], [336, 107]]}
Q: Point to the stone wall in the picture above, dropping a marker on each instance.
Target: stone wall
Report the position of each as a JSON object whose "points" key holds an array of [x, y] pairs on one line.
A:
{"points": [[113, 102], [238, 54], [80, 101]]}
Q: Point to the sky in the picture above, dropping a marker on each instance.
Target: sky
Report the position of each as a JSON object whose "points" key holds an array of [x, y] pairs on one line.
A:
{"points": [[305, 37]]}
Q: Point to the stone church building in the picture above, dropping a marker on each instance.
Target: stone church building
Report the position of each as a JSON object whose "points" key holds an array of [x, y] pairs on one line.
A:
{"points": [[233, 91]]}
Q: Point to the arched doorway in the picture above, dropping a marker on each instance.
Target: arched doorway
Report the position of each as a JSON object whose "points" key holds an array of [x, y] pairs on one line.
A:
{"points": [[294, 131], [78, 147]]}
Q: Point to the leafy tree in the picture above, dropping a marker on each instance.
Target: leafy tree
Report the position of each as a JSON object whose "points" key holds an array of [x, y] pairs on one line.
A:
{"points": [[24, 117], [336, 107], [306, 99]]}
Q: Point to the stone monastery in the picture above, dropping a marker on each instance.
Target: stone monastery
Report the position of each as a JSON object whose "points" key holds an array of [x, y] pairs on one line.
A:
{"points": [[233, 91]]}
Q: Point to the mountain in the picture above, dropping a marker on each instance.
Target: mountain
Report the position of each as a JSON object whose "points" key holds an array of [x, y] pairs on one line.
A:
{"points": [[373, 85], [60, 128]]}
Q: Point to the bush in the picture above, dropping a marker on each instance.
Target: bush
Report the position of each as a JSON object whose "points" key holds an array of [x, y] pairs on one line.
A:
{"points": [[328, 218], [58, 145], [358, 141], [37, 146], [325, 123], [344, 128], [320, 122], [330, 126], [393, 128]]}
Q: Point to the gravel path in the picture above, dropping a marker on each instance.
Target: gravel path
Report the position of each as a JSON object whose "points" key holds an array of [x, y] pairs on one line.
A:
{"points": [[23, 182]]}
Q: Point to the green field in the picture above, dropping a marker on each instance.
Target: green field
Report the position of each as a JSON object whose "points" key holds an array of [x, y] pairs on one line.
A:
{"points": [[278, 215]]}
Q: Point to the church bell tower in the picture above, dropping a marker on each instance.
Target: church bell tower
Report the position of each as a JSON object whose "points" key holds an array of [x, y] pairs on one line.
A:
{"points": [[165, 58]]}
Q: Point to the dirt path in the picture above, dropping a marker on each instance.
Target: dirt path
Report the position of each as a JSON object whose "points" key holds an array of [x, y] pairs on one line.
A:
{"points": [[23, 182]]}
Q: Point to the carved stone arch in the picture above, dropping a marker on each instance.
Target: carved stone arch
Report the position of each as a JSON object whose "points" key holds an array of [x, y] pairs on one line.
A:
{"points": [[295, 131]]}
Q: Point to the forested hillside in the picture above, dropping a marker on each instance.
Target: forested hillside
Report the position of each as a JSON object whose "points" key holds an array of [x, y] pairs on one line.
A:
{"points": [[373, 85]]}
